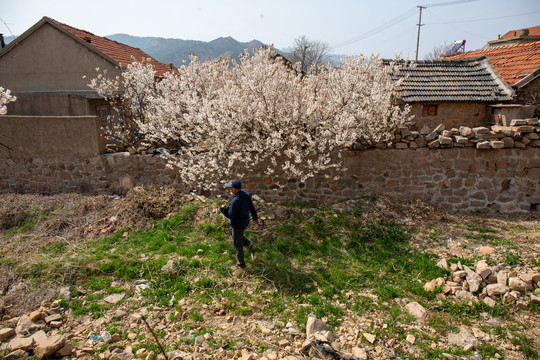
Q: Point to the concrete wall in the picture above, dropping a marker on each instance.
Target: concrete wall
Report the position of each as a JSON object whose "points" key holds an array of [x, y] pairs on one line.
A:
{"points": [[41, 137], [49, 105], [452, 114]]}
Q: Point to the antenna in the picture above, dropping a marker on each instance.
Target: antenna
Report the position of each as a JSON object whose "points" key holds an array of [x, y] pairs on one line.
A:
{"points": [[419, 24]]}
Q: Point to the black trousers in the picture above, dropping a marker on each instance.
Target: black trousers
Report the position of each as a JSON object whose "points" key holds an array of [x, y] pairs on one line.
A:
{"points": [[239, 242]]}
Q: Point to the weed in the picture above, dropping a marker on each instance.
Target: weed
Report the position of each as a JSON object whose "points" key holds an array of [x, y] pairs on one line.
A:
{"points": [[488, 351], [480, 228], [512, 258]]}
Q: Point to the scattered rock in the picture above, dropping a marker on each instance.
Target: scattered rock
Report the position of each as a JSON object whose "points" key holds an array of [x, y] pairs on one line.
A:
{"points": [[490, 302], [443, 264], [497, 289], [17, 354], [369, 337], [48, 348], [517, 284], [433, 284], [473, 279], [24, 343], [462, 339], [6, 333], [66, 350], [168, 267], [114, 298], [55, 317], [315, 325], [416, 310]]}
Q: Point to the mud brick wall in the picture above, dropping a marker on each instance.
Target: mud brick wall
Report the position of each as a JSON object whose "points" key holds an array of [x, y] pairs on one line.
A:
{"points": [[36, 136]]}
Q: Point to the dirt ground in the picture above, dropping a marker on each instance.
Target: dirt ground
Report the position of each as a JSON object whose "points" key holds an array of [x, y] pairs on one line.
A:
{"points": [[74, 219]]}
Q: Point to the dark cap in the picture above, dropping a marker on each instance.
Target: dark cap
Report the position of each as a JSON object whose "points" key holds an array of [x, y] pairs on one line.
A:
{"points": [[234, 184]]}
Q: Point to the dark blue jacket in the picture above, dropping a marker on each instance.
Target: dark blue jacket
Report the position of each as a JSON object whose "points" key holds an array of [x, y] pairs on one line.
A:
{"points": [[239, 209]]}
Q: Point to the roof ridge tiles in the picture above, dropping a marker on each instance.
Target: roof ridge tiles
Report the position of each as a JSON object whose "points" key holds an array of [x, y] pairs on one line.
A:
{"points": [[119, 52]]}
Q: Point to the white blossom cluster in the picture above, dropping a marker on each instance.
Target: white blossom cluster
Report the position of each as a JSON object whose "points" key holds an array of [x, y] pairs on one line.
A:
{"points": [[5, 98], [131, 96], [259, 114]]}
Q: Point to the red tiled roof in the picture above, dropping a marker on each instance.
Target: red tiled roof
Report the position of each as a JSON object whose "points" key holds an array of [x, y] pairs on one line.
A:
{"points": [[119, 52], [513, 62], [533, 31]]}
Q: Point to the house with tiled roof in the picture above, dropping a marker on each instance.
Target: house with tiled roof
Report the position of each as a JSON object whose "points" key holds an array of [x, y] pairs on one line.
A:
{"points": [[49, 66], [451, 92], [518, 65], [514, 37]]}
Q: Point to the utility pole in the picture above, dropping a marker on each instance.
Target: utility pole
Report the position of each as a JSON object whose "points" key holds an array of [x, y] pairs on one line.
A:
{"points": [[419, 24]]}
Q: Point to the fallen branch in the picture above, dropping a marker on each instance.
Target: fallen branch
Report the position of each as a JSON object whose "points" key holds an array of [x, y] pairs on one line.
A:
{"points": [[155, 337]]}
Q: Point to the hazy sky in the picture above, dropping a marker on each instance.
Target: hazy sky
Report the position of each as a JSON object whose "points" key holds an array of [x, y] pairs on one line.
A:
{"points": [[343, 24]]}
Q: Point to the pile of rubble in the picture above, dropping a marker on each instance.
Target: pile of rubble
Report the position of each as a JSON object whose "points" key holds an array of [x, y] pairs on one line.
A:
{"points": [[490, 284], [519, 134], [36, 333]]}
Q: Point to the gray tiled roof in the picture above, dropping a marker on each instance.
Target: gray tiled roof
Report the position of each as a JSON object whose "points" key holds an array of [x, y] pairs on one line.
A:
{"points": [[451, 80]]}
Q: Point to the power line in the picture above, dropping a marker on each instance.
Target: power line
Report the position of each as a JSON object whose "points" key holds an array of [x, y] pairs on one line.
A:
{"points": [[492, 18], [447, 3], [457, 28], [398, 19], [7, 27], [372, 32], [420, 7]]}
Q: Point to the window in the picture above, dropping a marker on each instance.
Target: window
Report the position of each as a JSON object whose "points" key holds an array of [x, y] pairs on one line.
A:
{"points": [[103, 111], [429, 110]]}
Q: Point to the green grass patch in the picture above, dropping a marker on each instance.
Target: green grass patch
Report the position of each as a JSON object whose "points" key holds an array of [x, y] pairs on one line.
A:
{"points": [[320, 262]]}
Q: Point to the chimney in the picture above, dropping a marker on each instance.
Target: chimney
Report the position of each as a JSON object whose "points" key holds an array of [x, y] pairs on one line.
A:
{"points": [[524, 32], [2, 43]]}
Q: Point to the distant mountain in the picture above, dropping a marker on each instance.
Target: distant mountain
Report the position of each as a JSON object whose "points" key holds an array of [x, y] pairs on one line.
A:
{"points": [[176, 50]]}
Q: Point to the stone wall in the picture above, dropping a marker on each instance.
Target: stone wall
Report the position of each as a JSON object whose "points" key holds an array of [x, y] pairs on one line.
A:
{"points": [[457, 179], [55, 155], [505, 180]]}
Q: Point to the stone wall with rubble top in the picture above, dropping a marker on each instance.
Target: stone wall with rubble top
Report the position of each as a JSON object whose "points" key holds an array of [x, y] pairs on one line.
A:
{"points": [[455, 178], [517, 133]]}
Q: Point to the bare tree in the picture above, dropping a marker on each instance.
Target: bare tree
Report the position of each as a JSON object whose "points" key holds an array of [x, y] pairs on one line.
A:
{"points": [[439, 50], [310, 54]]}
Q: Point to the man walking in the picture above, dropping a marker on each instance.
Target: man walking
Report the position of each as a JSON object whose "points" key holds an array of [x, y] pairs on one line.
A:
{"points": [[238, 212]]}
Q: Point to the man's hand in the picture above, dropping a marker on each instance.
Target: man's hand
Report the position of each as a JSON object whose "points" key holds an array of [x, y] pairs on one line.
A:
{"points": [[256, 222]]}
